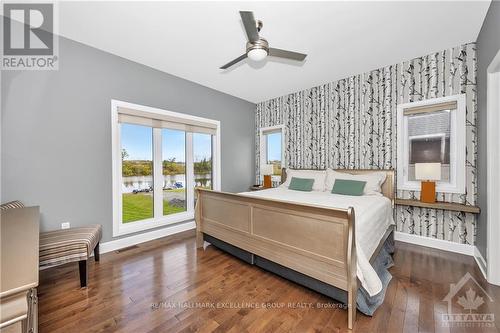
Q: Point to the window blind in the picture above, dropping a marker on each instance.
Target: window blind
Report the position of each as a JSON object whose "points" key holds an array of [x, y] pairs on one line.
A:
{"points": [[155, 120], [430, 108], [271, 131]]}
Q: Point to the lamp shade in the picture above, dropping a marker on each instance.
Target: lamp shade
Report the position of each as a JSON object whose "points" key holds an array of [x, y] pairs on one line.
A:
{"points": [[428, 171], [266, 169]]}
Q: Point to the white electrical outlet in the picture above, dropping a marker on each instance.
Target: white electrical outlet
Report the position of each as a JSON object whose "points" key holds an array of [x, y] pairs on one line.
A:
{"points": [[65, 225]]}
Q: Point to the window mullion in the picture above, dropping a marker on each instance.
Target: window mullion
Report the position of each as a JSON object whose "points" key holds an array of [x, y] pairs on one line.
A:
{"points": [[157, 173], [189, 172], [283, 159], [263, 151], [119, 178], [215, 166]]}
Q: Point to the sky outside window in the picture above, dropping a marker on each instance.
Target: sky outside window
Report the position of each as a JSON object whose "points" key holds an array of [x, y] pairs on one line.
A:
{"points": [[138, 144], [137, 141], [274, 147], [174, 145], [202, 147]]}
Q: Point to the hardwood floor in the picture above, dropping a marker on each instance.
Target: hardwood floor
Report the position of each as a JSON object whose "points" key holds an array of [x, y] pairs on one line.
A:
{"points": [[168, 286]]}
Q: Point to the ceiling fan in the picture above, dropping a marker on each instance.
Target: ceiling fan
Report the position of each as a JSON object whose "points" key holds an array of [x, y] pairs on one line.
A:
{"points": [[257, 48]]}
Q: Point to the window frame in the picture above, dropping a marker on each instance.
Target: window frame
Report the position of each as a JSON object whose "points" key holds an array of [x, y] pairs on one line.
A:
{"points": [[263, 146], [457, 180], [158, 220]]}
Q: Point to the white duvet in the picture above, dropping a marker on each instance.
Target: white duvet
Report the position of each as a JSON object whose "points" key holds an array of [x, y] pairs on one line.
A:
{"points": [[373, 216]]}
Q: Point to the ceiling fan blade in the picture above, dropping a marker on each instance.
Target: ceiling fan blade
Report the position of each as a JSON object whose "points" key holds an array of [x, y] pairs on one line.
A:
{"points": [[286, 54], [250, 26], [232, 62]]}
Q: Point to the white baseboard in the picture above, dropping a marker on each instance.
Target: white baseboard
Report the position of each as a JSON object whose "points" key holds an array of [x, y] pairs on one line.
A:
{"points": [[145, 237], [480, 262], [435, 243]]}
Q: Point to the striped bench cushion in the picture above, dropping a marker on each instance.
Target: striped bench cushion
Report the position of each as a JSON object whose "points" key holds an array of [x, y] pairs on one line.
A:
{"points": [[67, 245], [11, 204]]}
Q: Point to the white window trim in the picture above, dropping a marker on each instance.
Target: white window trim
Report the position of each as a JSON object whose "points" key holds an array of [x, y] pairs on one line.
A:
{"points": [[457, 146], [263, 146], [493, 165], [120, 228]]}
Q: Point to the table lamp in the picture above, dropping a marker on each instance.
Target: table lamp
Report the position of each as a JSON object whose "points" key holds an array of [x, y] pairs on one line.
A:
{"points": [[428, 173], [267, 171]]}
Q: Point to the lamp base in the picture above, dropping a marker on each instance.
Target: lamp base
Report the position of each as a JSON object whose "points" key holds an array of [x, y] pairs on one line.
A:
{"points": [[267, 181], [428, 192]]}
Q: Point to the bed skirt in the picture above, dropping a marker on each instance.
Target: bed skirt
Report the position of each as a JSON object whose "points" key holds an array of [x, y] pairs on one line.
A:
{"points": [[365, 303]]}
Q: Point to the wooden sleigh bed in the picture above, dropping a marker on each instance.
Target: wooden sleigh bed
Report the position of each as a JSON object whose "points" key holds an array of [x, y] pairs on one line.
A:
{"points": [[320, 242]]}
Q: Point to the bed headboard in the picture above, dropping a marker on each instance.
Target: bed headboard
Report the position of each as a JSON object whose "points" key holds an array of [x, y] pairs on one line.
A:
{"points": [[387, 187]]}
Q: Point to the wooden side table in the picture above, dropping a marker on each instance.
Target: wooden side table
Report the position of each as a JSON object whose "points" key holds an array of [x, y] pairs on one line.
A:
{"points": [[19, 274]]}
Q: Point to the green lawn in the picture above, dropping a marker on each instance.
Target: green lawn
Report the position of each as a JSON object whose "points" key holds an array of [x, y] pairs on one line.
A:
{"points": [[176, 190], [140, 206]]}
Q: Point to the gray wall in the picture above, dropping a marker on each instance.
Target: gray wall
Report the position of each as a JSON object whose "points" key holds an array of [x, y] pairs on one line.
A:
{"points": [[56, 131], [488, 44]]}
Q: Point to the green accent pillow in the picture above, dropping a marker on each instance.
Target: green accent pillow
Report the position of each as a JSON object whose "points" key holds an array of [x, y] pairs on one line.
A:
{"points": [[301, 184], [348, 187]]}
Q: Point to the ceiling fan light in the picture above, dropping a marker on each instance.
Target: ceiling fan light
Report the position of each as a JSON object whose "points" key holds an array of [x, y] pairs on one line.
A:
{"points": [[257, 54]]}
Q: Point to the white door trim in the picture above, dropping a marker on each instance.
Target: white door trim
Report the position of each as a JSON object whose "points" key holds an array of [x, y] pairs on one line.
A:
{"points": [[493, 167]]}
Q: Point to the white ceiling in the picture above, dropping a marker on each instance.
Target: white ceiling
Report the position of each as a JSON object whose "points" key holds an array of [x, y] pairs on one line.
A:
{"points": [[193, 39]]}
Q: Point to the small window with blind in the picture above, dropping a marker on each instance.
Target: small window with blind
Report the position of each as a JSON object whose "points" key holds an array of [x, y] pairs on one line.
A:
{"points": [[432, 131], [271, 149], [160, 157]]}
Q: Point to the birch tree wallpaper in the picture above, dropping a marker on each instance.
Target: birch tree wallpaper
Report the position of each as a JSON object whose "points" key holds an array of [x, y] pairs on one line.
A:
{"points": [[351, 124]]}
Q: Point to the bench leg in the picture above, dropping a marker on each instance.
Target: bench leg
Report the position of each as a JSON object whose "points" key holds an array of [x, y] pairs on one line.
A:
{"points": [[96, 252], [82, 266]]}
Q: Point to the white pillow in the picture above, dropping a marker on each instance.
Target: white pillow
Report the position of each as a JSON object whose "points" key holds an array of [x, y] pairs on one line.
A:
{"points": [[374, 180], [319, 177]]}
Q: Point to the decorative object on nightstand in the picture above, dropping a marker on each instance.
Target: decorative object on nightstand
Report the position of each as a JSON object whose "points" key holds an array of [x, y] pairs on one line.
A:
{"points": [[428, 173], [257, 187], [267, 171]]}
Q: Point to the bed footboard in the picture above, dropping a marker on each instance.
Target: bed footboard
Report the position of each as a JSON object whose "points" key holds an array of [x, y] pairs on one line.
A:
{"points": [[313, 240]]}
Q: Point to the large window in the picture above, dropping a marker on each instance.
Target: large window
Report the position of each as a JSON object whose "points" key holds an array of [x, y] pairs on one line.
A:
{"points": [[432, 131], [163, 156], [271, 148]]}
